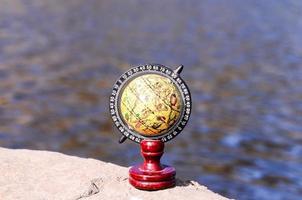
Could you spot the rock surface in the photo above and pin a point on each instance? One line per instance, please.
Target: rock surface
(27, 174)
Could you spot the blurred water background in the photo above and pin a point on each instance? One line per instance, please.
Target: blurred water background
(59, 60)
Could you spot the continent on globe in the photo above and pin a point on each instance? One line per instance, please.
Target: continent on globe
(150, 104)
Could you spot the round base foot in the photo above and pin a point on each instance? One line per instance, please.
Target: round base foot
(152, 180)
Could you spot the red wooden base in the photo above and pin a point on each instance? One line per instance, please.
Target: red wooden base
(151, 175)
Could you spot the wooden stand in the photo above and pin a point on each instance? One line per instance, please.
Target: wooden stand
(151, 175)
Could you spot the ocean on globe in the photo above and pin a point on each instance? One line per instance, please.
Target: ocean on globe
(150, 104)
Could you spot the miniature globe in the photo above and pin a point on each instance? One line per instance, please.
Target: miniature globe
(150, 104)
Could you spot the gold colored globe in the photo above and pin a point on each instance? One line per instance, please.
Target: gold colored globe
(150, 104)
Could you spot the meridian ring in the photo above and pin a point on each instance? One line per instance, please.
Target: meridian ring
(163, 129)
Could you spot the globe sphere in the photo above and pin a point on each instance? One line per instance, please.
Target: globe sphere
(150, 104)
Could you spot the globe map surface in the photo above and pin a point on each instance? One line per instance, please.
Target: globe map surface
(150, 104)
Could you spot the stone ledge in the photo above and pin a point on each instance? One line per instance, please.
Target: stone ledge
(35, 175)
